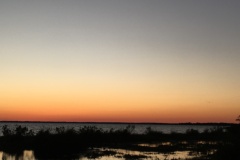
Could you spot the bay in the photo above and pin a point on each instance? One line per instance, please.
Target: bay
(140, 128)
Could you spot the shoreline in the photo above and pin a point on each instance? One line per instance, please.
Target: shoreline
(65, 143)
(128, 123)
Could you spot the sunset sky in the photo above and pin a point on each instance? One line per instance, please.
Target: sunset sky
(120, 60)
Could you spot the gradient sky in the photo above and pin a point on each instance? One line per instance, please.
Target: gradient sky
(120, 60)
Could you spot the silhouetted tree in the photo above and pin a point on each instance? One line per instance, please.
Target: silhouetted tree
(238, 119)
(21, 131)
(6, 131)
(130, 128)
(60, 130)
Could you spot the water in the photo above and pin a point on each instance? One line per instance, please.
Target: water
(139, 128)
(26, 155)
(111, 154)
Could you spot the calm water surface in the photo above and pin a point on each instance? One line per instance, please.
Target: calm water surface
(139, 128)
(118, 154)
(109, 153)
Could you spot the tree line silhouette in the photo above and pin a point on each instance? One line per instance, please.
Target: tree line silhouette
(63, 140)
(59, 142)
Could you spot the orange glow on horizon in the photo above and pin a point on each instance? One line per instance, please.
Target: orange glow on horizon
(119, 61)
(121, 105)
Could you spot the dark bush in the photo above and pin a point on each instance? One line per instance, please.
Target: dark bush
(6, 131)
(21, 131)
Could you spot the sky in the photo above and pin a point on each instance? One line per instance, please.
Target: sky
(120, 60)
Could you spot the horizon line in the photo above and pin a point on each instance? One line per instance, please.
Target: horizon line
(117, 122)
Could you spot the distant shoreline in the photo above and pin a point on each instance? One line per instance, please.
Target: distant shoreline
(133, 123)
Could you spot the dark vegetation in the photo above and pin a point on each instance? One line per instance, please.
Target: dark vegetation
(62, 142)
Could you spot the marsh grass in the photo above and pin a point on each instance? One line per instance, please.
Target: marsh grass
(62, 142)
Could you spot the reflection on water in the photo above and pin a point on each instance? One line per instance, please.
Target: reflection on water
(26, 155)
(207, 142)
(148, 145)
(5, 156)
(120, 154)
(109, 154)
(115, 154)
(155, 144)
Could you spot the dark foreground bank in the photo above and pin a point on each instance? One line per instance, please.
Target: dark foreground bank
(91, 142)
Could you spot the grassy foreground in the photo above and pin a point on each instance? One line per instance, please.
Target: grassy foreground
(216, 144)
